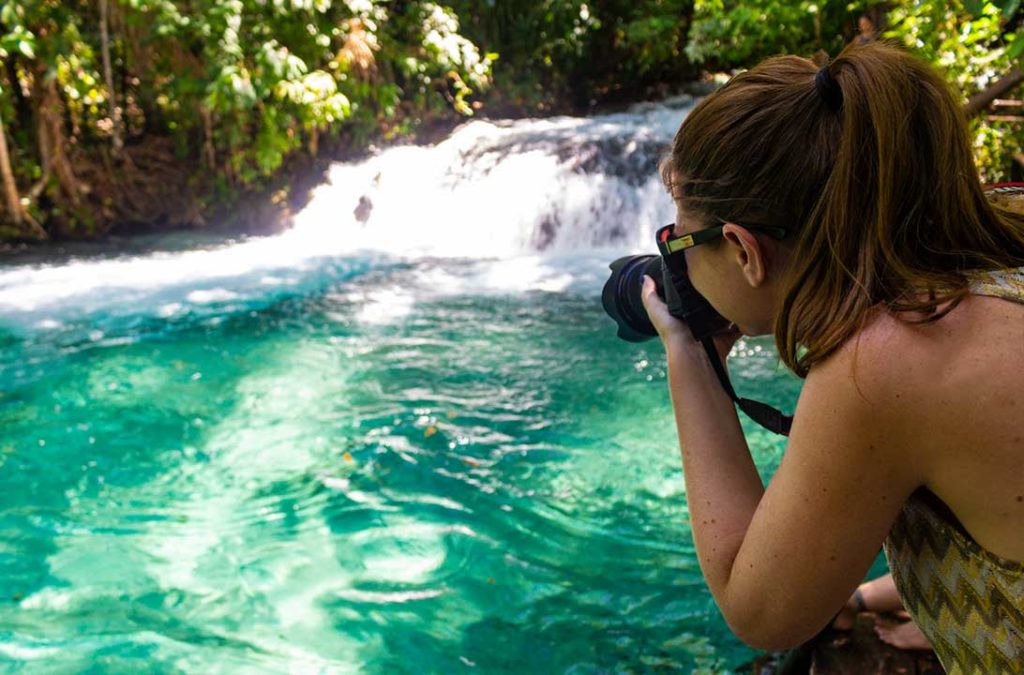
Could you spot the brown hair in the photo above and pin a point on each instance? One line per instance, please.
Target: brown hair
(881, 198)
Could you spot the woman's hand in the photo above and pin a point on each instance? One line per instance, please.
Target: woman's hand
(674, 333)
(847, 616)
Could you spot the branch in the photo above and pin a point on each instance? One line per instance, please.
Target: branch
(984, 99)
(33, 226)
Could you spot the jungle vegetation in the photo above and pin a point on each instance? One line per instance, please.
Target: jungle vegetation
(141, 114)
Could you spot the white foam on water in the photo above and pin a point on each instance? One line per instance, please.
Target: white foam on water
(491, 191)
(531, 206)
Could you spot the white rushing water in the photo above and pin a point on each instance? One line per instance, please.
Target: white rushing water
(516, 195)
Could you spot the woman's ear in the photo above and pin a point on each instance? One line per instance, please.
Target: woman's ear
(745, 248)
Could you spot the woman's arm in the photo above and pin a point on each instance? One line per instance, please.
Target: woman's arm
(780, 562)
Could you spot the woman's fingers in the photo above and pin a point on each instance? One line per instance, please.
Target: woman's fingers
(668, 326)
(649, 293)
(656, 308)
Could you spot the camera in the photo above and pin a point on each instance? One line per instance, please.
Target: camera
(622, 297)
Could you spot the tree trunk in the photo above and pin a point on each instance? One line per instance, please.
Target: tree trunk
(108, 77)
(52, 142)
(983, 99)
(18, 214)
(10, 189)
(208, 152)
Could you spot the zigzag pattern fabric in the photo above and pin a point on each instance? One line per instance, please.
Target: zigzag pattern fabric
(1006, 284)
(967, 601)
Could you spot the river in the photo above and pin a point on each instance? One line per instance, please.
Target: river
(398, 437)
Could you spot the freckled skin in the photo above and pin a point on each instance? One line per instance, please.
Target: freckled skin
(901, 406)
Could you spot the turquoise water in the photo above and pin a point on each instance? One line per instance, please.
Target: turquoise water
(389, 466)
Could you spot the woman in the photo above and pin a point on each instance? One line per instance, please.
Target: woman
(881, 595)
(889, 293)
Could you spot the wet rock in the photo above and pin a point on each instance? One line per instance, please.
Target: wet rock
(855, 652)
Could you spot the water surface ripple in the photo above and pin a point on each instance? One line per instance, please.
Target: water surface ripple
(358, 478)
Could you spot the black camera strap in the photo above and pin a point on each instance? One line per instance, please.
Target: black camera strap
(768, 417)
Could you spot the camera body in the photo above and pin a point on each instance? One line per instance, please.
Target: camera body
(622, 297)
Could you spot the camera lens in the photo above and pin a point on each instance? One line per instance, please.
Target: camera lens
(621, 296)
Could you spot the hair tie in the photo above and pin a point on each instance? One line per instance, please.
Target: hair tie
(828, 88)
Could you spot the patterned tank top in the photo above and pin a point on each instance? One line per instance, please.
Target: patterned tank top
(968, 601)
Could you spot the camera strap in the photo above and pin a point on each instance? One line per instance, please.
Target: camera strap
(768, 417)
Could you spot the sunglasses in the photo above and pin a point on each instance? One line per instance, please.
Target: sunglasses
(670, 244)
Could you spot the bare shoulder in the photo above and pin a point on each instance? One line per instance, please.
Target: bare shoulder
(882, 361)
(896, 379)
(944, 397)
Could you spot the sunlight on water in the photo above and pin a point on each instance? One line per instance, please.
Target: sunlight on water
(402, 439)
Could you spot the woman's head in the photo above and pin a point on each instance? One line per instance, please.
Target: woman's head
(878, 194)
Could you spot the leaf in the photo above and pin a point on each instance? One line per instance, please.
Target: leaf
(25, 47)
(9, 15)
(1010, 8)
(1017, 46)
(974, 7)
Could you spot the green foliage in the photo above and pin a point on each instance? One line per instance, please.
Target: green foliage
(239, 84)
(731, 34)
(975, 42)
(283, 72)
(579, 52)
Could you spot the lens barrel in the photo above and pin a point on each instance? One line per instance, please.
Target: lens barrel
(621, 296)
(623, 301)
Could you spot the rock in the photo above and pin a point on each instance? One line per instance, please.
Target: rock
(855, 652)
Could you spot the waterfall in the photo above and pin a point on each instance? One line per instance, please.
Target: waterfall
(506, 193)
(501, 189)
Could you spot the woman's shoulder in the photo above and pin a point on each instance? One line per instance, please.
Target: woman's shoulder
(883, 352)
(944, 378)
(903, 367)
